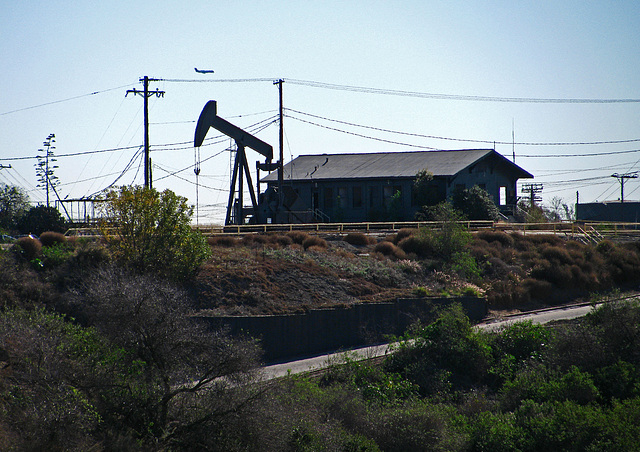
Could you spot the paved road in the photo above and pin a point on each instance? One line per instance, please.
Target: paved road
(319, 362)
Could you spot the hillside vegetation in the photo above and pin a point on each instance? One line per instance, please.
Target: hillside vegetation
(99, 349)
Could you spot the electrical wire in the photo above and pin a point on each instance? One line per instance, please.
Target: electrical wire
(416, 94)
(458, 97)
(361, 135)
(464, 139)
(63, 100)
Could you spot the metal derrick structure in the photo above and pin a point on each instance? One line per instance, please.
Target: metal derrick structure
(236, 212)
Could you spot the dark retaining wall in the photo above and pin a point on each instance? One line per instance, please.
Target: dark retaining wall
(325, 330)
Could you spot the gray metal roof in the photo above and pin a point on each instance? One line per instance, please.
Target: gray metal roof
(386, 164)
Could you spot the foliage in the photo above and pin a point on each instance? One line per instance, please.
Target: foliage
(358, 239)
(151, 231)
(14, 203)
(531, 214)
(394, 207)
(376, 386)
(475, 204)
(40, 219)
(425, 191)
(447, 354)
(178, 364)
(30, 247)
(51, 238)
(45, 401)
(389, 249)
(314, 241)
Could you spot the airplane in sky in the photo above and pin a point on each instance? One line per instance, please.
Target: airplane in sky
(203, 71)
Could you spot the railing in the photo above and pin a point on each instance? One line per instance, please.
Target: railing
(592, 231)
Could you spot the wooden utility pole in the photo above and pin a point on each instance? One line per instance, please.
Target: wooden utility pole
(281, 136)
(145, 95)
(621, 178)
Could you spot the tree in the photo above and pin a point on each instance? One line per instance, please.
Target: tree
(51, 362)
(14, 202)
(560, 210)
(45, 167)
(425, 191)
(151, 231)
(475, 203)
(40, 219)
(187, 378)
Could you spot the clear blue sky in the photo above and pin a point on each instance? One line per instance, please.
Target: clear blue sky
(64, 51)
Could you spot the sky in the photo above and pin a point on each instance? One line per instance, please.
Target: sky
(558, 79)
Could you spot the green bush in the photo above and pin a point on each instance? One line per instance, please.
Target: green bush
(151, 231)
(446, 354)
(40, 219)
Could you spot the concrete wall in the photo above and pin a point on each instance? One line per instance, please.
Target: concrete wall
(325, 330)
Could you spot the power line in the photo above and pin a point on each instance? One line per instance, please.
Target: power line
(360, 135)
(64, 100)
(391, 92)
(583, 143)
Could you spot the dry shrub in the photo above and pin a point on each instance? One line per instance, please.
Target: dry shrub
(298, 236)
(534, 289)
(358, 239)
(225, 241)
(557, 254)
(540, 239)
(403, 234)
(500, 237)
(30, 247)
(390, 250)
(252, 240)
(282, 240)
(415, 245)
(315, 242)
(51, 238)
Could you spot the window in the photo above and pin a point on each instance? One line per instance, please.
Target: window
(328, 198)
(390, 191)
(503, 196)
(356, 197)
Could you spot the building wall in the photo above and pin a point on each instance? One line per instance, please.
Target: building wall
(356, 200)
(628, 212)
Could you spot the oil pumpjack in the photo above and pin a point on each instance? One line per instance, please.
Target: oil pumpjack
(237, 213)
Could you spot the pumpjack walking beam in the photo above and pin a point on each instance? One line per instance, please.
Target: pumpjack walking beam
(209, 118)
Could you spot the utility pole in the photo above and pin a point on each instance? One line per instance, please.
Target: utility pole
(621, 178)
(281, 136)
(145, 95)
(533, 190)
(5, 167)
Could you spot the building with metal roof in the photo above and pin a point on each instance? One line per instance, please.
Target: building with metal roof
(379, 186)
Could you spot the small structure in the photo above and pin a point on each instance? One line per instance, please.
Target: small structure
(375, 186)
(626, 212)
